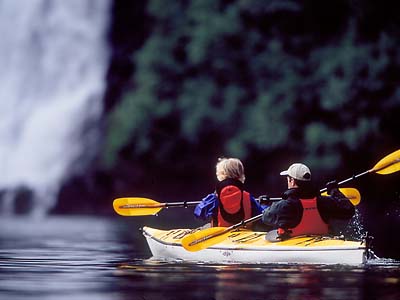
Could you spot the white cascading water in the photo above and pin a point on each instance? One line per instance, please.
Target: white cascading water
(53, 61)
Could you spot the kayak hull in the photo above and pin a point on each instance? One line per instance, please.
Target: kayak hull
(245, 246)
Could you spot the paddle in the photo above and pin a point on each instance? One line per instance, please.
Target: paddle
(136, 206)
(351, 193)
(203, 239)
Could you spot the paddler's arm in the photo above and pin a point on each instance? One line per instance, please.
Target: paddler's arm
(336, 205)
(282, 214)
(256, 207)
(205, 209)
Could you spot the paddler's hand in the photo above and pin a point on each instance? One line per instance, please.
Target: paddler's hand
(330, 186)
(264, 201)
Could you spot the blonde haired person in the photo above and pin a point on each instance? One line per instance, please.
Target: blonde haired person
(230, 168)
(230, 203)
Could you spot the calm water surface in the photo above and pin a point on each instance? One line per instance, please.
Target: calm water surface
(107, 258)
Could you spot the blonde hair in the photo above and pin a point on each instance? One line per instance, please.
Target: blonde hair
(230, 168)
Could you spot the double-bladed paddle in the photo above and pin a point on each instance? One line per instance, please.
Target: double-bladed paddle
(137, 206)
(387, 165)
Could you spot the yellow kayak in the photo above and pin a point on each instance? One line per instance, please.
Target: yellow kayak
(246, 246)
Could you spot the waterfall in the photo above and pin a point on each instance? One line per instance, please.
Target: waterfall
(53, 61)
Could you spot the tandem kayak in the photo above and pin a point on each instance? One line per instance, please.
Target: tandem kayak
(246, 246)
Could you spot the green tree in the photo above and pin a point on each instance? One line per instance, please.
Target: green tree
(243, 77)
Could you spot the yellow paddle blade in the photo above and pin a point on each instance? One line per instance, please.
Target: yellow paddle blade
(389, 164)
(351, 193)
(134, 206)
(203, 239)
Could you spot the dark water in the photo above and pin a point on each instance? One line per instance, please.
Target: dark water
(99, 258)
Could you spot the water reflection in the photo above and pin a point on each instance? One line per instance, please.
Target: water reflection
(99, 258)
(230, 282)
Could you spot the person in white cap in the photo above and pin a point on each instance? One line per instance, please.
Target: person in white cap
(298, 171)
(303, 210)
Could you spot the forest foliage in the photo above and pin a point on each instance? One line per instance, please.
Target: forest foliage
(270, 82)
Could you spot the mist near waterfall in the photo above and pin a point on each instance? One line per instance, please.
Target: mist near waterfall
(54, 57)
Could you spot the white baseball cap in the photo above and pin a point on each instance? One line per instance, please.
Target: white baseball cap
(298, 171)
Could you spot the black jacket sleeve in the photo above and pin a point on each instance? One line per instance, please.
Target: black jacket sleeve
(283, 214)
(335, 206)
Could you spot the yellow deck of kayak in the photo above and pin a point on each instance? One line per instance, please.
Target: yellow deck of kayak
(249, 239)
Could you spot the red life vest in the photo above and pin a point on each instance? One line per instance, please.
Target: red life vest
(311, 222)
(234, 206)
